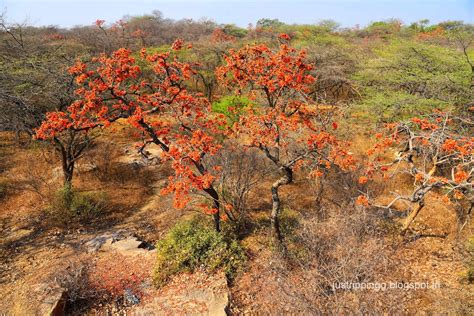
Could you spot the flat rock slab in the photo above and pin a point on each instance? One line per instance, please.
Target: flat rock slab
(117, 241)
(188, 294)
(51, 298)
(127, 247)
(17, 235)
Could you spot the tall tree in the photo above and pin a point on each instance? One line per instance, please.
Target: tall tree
(282, 123)
(151, 94)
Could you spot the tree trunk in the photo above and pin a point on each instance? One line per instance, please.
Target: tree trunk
(68, 169)
(208, 88)
(67, 161)
(412, 216)
(216, 204)
(321, 213)
(68, 173)
(276, 203)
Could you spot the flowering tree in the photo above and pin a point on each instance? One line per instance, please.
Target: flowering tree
(437, 151)
(151, 94)
(70, 141)
(282, 123)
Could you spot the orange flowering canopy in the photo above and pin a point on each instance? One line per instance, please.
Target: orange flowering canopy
(282, 122)
(435, 150)
(220, 36)
(151, 94)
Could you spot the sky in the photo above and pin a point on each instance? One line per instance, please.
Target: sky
(67, 13)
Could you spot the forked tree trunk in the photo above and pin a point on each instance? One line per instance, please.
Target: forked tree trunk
(287, 178)
(68, 163)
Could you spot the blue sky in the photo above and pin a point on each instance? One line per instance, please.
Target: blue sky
(347, 12)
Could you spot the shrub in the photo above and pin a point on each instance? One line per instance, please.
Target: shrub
(191, 245)
(242, 170)
(69, 206)
(76, 282)
(111, 280)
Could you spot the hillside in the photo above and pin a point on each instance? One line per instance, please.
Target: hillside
(156, 167)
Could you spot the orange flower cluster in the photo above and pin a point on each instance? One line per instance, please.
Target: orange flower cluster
(220, 36)
(278, 81)
(362, 200)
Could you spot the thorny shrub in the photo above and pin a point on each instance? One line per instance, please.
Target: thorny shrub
(347, 247)
(110, 279)
(70, 207)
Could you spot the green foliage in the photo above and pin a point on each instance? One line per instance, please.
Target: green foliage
(407, 78)
(231, 106)
(269, 23)
(311, 37)
(70, 207)
(384, 28)
(233, 30)
(193, 244)
(387, 106)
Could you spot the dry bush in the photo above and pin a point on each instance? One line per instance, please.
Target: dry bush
(336, 189)
(242, 170)
(111, 167)
(75, 281)
(112, 279)
(102, 158)
(346, 247)
(69, 207)
(35, 171)
(114, 276)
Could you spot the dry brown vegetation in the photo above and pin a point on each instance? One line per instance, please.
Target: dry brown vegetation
(327, 238)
